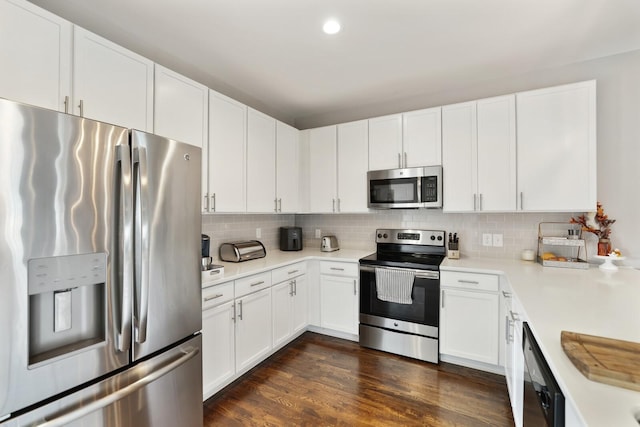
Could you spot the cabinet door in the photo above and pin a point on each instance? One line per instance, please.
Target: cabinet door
(181, 108)
(287, 168)
(459, 157)
(339, 303)
(35, 53)
(557, 148)
(218, 347)
(261, 162)
(352, 166)
(422, 137)
(227, 141)
(300, 303)
(469, 325)
(253, 328)
(497, 154)
(111, 83)
(385, 142)
(322, 169)
(282, 302)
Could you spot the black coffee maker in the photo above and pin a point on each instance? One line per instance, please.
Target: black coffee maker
(290, 238)
(207, 260)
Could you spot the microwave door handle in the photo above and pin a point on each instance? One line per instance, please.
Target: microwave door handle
(122, 270)
(142, 249)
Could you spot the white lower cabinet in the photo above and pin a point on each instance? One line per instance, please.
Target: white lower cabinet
(339, 296)
(514, 356)
(218, 347)
(469, 316)
(253, 328)
(290, 306)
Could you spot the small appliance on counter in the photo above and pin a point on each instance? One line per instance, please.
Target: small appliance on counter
(207, 260)
(329, 244)
(290, 238)
(242, 251)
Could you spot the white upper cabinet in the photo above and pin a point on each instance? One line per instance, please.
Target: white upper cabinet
(35, 53)
(322, 169)
(261, 162)
(385, 142)
(110, 83)
(406, 140)
(352, 167)
(422, 137)
(478, 155)
(227, 147)
(181, 108)
(287, 168)
(557, 148)
(459, 165)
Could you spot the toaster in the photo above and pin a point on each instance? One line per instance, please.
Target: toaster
(329, 244)
(242, 251)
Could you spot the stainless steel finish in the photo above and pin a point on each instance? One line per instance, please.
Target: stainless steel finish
(514, 316)
(420, 274)
(44, 169)
(212, 297)
(338, 204)
(240, 309)
(333, 208)
(416, 172)
(480, 202)
(336, 269)
(405, 159)
(292, 272)
(415, 346)
(257, 283)
(242, 251)
(295, 286)
(213, 202)
(329, 244)
(442, 299)
(506, 294)
(81, 106)
(471, 282)
(399, 325)
(521, 201)
(66, 104)
(85, 232)
(206, 202)
(395, 235)
(355, 290)
(508, 334)
(170, 187)
(275, 202)
(162, 391)
(399, 160)
(475, 204)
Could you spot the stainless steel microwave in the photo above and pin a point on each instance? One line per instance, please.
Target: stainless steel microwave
(408, 188)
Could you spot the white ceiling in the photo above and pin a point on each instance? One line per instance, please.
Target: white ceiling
(273, 55)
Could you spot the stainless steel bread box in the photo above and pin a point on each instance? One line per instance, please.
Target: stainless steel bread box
(242, 251)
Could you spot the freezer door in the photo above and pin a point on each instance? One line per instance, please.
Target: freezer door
(166, 182)
(165, 390)
(63, 204)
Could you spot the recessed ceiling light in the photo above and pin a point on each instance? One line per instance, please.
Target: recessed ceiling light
(331, 26)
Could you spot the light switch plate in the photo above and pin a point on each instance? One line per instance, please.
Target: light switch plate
(497, 240)
(487, 239)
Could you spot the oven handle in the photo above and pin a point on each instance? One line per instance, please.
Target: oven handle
(419, 274)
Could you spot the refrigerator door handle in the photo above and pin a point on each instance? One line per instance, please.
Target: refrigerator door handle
(123, 249)
(121, 393)
(142, 252)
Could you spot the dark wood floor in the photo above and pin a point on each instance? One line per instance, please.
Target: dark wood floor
(323, 381)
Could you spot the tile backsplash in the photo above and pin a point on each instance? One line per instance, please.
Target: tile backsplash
(357, 231)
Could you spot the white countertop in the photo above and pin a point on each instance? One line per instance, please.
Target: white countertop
(276, 258)
(586, 301)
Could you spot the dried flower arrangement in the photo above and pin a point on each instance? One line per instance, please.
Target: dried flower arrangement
(600, 226)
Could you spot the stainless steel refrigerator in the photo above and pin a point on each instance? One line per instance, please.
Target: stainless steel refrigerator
(99, 274)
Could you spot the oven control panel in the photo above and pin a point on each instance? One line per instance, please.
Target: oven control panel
(410, 237)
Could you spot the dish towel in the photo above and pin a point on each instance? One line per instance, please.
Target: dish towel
(394, 285)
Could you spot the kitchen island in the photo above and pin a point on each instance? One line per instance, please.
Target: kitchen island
(586, 301)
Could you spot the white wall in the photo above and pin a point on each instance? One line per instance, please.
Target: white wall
(618, 125)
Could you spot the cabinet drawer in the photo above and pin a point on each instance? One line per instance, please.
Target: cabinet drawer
(288, 272)
(253, 283)
(339, 268)
(211, 276)
(216, 295)
(476, 281)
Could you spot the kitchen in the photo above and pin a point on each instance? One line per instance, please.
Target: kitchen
(617, 106)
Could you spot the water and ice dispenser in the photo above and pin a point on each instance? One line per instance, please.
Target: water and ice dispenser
(67, 305)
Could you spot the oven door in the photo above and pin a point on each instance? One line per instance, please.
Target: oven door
(422, 314)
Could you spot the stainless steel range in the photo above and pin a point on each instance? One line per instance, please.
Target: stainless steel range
(400, 293)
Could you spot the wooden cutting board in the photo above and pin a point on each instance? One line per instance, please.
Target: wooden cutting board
(605, 360)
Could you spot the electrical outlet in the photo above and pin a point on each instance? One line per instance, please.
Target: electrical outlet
(258, 233)
(497, 240)
(487, 239)
(318, 233)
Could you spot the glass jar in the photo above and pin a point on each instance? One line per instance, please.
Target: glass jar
(604, 247)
